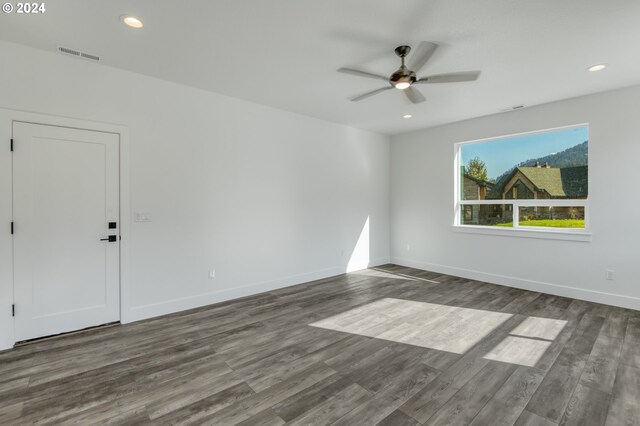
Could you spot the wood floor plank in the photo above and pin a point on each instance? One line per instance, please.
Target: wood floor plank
(508, 403)
(554, 393)
(334, 407)
(631, 348)
(462, 407)
(440, 360)
(390, 398)
(527, 418)
(588, 407)
(625, 407)
(263, 418)
(553, 351)
(616, 323)
(601, 368)
(520, 302)
(136, 416)
(426, 402)
(398, 418)
(10, 413)
(180, 376)
(304, 401)
(356, 353)
(269, 397)
(202, 406)
(380, 376)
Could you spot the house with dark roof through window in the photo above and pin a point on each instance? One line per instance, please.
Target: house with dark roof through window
(542, 182)
(539, 182)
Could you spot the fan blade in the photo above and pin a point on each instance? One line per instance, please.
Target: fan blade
(451, 77)
(414, 95)
(363, 74)
(373, 92)
(421, 55)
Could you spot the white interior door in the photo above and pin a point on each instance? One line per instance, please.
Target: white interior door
(65, 194)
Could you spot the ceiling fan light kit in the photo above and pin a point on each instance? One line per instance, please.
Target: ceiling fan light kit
(405, 77)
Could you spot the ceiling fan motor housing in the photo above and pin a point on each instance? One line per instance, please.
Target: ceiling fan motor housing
(402, 75)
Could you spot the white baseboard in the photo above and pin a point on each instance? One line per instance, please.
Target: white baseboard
(138, 313)
(175, 305)
(539, 286)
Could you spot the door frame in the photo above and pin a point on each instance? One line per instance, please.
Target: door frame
(7, 117)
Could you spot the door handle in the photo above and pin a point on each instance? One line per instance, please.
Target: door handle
(110, 238)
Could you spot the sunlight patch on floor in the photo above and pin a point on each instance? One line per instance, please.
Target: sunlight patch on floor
(372, 272)
(401, 276)
(539, 328)
(519, 350)
(428, 325)
(528, 342)
(447, 328)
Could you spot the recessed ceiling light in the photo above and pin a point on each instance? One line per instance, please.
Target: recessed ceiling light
(407, 116)
(597, 68)
(132, 21)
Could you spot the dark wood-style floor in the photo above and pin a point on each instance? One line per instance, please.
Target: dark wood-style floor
(258, 361)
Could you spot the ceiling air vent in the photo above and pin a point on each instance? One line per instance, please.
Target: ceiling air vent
(78, 54)
(90, 56)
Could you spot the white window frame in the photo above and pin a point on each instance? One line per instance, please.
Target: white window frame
(575, 234)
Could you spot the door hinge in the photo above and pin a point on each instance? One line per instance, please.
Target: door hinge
(11, 228)
(13, 310)
(12, 145)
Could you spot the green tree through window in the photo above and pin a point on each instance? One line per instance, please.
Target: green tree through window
(476, 168)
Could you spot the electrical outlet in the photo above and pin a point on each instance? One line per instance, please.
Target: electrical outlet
(341, 253)
(609, 274)
(408, 247)
(212, 274)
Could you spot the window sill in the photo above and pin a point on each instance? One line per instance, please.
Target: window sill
(547, 234)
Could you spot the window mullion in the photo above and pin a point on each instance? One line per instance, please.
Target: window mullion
(516, 214)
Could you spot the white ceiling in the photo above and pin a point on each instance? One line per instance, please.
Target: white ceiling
(284, 53)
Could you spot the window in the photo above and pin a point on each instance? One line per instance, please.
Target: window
(529, 182)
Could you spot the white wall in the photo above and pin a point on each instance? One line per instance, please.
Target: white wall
(268, 198)
(422, 204)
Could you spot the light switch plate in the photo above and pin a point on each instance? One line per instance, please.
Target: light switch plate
(142, 217)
